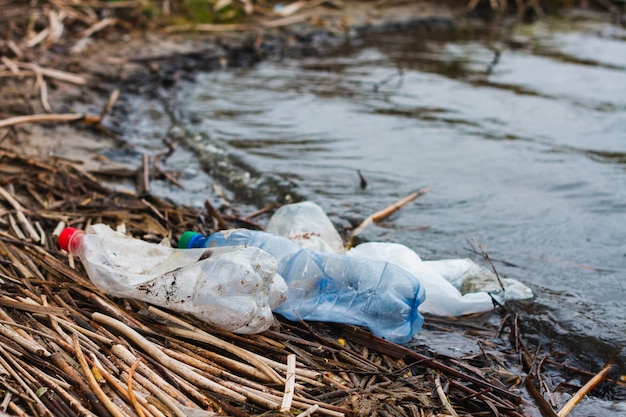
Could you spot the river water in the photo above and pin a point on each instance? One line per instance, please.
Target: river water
(521, 137)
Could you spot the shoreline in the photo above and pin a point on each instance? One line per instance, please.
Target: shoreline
(142, 70)
(77, 76)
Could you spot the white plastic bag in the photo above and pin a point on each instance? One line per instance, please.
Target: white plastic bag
(442, 298)
(470, 277)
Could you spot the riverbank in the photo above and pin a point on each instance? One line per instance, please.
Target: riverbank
(492, 365)
(66, 65)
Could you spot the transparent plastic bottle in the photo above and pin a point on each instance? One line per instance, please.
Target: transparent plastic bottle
(306, 224)
(334, 288)
(234, 288)
(454, 287)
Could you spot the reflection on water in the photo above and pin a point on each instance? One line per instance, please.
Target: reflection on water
(520, 135)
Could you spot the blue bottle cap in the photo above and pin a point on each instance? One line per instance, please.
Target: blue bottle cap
(186, 239)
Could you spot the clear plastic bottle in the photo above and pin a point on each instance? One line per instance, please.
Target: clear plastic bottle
(454, 287)
(234, 288)
(334, 288)
(306, 224)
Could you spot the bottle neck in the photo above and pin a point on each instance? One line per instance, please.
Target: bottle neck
(197, 241)
(71, 239)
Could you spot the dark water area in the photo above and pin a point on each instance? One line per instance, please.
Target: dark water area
(519, 133)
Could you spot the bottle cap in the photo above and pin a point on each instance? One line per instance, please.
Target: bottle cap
(186, 239)
(67, 236)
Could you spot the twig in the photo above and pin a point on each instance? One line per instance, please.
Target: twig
(115, 94)
(310, 411)
(173, 365)
(56, 74)
(599, 377)
(33, 308)
(386, 212)
(252, 358)
(131, 392)
(29, 345)
(93, 384)
(144, 184)
(290, 381)
(9, 369)
(493, 268)
(43, 118)
(98, 26)
(149, 379)
(221, 223)
(443, 398)
(260, 212)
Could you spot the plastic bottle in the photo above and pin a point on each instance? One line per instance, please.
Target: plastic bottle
(453, 287)
(306, 224)
(234, 288)
(442, 298)
(334, 288)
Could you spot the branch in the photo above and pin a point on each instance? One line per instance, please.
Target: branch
(386, 212)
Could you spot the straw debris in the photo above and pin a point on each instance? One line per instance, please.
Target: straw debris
(66, 348)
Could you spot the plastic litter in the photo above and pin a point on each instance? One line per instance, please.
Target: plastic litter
(442, 298)
(453, 287)
(469, 277)
(332, 287)
(234, 288)
(307, 224)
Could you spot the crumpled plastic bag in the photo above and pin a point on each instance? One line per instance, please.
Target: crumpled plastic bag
(442, 298)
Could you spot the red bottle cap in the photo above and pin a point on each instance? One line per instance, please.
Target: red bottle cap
(67, 239)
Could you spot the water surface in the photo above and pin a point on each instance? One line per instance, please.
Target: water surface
(521, 137)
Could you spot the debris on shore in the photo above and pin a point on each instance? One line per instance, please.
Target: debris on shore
(66, 348)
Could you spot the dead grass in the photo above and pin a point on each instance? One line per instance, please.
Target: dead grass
(67, 348)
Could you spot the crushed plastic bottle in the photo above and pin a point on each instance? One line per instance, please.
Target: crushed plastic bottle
(307, 224)
(334, 288)
(453, 287)
(234, 288)
(442, 298)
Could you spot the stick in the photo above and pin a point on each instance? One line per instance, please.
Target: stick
(250, 357)
(29, 345)
(443, 398)
(386, 212)
(33, 308)
(36, 118)
(93, 384)
(57, 74)
(543, 405)
(173, 365)
(310, 411)
(290, 381)
(493, 268)
(115, 94)
(131, 392)
(599, 377)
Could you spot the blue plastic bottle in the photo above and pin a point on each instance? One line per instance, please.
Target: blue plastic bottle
(334, 288)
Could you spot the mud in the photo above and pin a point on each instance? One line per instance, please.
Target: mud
(151, 63)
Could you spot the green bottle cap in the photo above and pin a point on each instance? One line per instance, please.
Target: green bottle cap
(183, 241)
